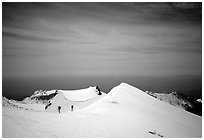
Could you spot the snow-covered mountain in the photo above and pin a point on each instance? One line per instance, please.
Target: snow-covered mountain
(40, 96)
(45, 97)
(179, 100)
(10, 103)
(176, 99)
(124, 112)
(34, 106)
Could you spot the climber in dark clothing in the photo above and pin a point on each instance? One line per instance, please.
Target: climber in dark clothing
(72, 107)
(99, 91)
(59, 108)
(47, 105)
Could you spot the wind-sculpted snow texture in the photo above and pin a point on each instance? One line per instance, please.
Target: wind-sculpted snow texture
(124, 112)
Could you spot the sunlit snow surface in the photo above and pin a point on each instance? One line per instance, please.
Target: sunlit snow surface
(124, 112)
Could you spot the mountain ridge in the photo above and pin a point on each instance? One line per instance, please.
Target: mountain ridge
(173, 98)
(125, 111)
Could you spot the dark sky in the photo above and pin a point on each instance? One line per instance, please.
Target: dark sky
(100, 39)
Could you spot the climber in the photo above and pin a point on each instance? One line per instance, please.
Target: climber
(59, 108)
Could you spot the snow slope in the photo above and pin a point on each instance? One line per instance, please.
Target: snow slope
(78, 102)
(79, 98)
(124, 112)
(80, 95)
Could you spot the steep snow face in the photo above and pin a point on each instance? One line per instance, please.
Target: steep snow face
(78, 98)
(127, 95)
(59, 100)
(147, 112)
(125, 111)
(43, 96)
(65, 103)
(80, 95)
